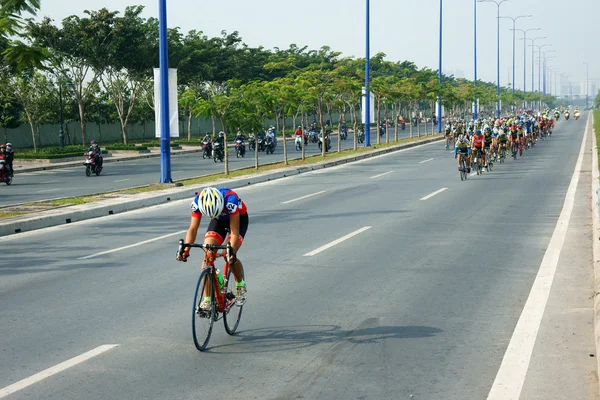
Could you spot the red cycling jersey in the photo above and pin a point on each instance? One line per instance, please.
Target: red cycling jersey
(478, 140)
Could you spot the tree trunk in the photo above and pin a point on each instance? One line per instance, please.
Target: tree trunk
(256, 152)
(303, 145)
(387, 123)
(190, 125)
(410, 120)
(213, 125)
(82, 120)
(432, 123)
(30, 121)
(329, 113)
(99, 133)
(5, 135)
(397, 121)
(285, 155)
(378, 121)
(323, 130)
(39, 135)
(124, 132)
(418, 125)
(225, 147)
(340, 131)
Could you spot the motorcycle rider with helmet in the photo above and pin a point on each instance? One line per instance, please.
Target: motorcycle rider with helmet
(9, 157)
(240, 136)
(97, 152)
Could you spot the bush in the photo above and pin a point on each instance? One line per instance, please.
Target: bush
(46, 156)
(156, 144)
(120, 146)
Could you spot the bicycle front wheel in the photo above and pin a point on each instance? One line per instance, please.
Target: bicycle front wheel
(233, 312)
(203, 319)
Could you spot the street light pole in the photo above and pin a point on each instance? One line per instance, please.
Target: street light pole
(587, 84)
(165, 136)
(514, 29)
(475, 57)
(498, 3)
(439, 107)
(524, 39)
(367, 79)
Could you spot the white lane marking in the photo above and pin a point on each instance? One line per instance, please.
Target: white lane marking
(513, 370)
(424, 161)
(22, 384)
(385, 173)
(48, 190)
(131, 245)
(337, 241)
(122, 180)
(304, 197)
(433, 194)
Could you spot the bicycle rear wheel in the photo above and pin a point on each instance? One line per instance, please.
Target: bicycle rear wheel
(233, 313)
(202, 321)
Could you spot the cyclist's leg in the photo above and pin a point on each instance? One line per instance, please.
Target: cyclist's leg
(215, 232)
(237, 267)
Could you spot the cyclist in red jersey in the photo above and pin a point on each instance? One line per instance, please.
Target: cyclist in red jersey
(477, 145)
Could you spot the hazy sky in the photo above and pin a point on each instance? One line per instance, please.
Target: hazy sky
(403, 29)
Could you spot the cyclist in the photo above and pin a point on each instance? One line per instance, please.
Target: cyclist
(489, 143)
(228, 214)
(463, 149)
(477, 147)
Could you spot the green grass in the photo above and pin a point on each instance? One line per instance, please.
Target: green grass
(10, 214)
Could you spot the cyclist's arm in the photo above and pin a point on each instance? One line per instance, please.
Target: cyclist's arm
(234, 234)
(192, 233)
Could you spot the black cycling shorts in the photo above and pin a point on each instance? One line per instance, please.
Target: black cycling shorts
(219, 229)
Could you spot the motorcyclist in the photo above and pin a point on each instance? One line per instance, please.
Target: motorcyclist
(300, 132)
(10, 156)
(240, 136)
(97, 152)
(4, 153)
(208, 140)
(271, 134)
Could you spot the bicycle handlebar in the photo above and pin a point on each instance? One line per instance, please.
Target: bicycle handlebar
(183, 246)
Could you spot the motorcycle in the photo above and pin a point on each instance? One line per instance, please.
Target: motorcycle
(5, 176)
(403, 124)
(327, 141)
(298, 143)
(90, 164)
(218, 154)
(252, 142)
(313, 136)
(344, 133)
(240, 149)
(269, 145)
(361, 137)
(567, 115)
(576, 115)
(261, 143)
(206, 150)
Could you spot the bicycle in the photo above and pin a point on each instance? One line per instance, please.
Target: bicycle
(463, 168)
(223, 303)
(477, 161)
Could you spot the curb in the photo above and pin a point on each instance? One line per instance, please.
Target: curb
(140, 200)
(596, 242)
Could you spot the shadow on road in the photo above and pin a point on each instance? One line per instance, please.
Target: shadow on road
(287, 338)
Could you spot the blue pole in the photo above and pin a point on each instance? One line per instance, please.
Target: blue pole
(439, 107)
(525, 62)
(367, 79)
(498, 80)
(475, 55)
(165, 138)
(514, 45)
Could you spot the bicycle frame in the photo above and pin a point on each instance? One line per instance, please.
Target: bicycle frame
(210, 255)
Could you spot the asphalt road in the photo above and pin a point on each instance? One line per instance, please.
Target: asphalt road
(56, 183)
(423, 303)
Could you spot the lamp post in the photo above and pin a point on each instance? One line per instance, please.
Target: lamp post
(439, 105)
(475, 57)
(514, 29)
(533, 59)
(165, 135)
(524, 39)
(546, 69)
(587, 84)
(367, 79)
(498, 3)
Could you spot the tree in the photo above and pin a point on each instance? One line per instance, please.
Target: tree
(31, 92)
(10, 112)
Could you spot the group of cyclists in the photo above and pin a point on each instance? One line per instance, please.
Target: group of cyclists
(485, 141)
